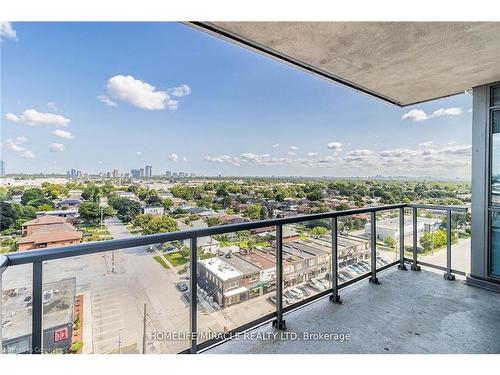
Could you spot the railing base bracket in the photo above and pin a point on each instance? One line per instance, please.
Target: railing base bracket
(402, 267)
(279, 325)
(415, 268)
(374, 280)
(335, 299)
(449, 276)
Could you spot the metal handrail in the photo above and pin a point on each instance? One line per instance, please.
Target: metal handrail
(38, 257)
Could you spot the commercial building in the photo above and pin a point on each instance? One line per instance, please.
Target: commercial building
(48, 231)
(149, 171)
(389, 228)
(58, 305)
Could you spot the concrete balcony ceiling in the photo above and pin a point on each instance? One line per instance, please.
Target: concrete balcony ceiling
(403, 63)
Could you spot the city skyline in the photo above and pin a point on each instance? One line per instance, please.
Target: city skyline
(202, 104)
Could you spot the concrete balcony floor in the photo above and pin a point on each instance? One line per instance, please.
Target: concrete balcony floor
(410, 312)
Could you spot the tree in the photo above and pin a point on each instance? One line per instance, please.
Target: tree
(314, 195)
(90, 212)
(32, 195)
(8, 215)
(91, 193)
(390, 242)
(212, 221)
(319, 231)
(253, 211)
(126, 209)
(168, 203)
(151, 224)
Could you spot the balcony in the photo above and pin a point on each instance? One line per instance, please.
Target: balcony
(410, 312)
(127, 296)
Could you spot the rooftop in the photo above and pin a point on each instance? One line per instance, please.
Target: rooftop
(46, 220)
(410, 312)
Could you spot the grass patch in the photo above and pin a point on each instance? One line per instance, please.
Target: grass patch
(160, 260)
(177, 259)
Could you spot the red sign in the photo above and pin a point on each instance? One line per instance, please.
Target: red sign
(61, 334)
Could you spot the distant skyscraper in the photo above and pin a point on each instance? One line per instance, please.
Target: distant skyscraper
(149, 171)
(141, 172)
(115, 173)
(2, 169)
(168, 174)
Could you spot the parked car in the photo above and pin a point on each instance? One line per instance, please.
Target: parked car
(342, 278)
(346, 274)
(296, 293)
(324, 282)
(318, 284)
(314, 287)
(354, 270)
(182, 286)
(289, 295)
(272, 299)
(304, 290)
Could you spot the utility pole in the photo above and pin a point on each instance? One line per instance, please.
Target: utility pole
(113, 261)
(144, 331)
(102, 214)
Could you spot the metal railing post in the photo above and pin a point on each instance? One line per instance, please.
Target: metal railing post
(279, 323)
(37, 311)
(373, 236)
(335, 272)
(402, 265)
(193, 294)
(415, 266)
(3, 267)
(448, 275)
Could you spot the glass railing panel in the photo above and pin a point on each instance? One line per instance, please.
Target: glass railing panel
(236, 280)
(431, 234)
(388, 234)
(307, 260)
(354, 247)
(461, 241)
(16, 309)
(408, 233)
(127, 301)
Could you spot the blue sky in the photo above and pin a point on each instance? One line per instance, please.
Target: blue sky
(80, 95)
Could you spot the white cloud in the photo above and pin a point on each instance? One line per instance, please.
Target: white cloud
(179, 91)
(63, 134)
(398, 153)
(276, 145)
(290, 153)
(106, 100)
(28, 154)
(13, 145)
(138, 153)
(336, 146)
(294, 148)
(7, 31)
(52, 106)
(138, 93)
(173, 157)
(312, 154)
(426, 144)
(453, 111)
(184, 159)
(415, 115)
(223, 159)
(419, 115)
(34, 118)
(56, 147)
(362, 152)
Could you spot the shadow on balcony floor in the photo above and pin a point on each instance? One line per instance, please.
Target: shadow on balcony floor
(410, 312)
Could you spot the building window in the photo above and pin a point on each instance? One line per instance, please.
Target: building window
(495, 244)
(494, 228)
